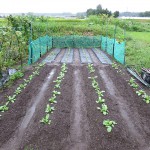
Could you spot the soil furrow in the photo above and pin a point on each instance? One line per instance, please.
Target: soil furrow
(15, 141)
(56, 135)
(79, 123)
(11, 119)
(76, 57)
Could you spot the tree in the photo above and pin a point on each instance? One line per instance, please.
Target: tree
(116, 14)
(90, 12)
(99, 9)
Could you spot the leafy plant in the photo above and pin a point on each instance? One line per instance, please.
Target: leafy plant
(49, 109)
(114, 65)
(133, 83)
(16, 75)
(53, 100)
(91, 68)
(146, 98)
(100, 100)
(56, 92)
(109, 124)
(12, 98)
(30, 77)
(100, 93)
(22, 86)
(140, 92)
(18, 91)
(45, 119)
(4, 107)
(103, 109)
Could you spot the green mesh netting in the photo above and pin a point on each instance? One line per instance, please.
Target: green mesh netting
(39, 47)
(119, 52)
(76, 41)
(107, 45)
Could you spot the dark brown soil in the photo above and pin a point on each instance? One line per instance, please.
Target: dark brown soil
(76, 122)
(7, 91)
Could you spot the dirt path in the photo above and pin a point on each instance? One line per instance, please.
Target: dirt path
(79, 133)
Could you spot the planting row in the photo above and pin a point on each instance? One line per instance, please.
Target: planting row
(53, 100)
(109, 124)
(12, 98)
(134, 85)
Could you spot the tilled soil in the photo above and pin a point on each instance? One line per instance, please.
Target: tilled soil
(76, 122)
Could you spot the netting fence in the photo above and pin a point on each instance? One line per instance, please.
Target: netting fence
(40, 46)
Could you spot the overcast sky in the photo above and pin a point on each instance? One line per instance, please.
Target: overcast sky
(54, 6)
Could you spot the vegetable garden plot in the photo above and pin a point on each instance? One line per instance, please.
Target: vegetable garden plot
(68, 56)
(51, 57)
(84, 103)
(102, 56)
(84, 56)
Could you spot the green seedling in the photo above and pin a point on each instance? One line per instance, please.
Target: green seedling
(22, 86)
(4, 107)
(103, 109)
(146, 98)
(100, 100)
(95, 84)
(41, 65)
(133, 83)
(109, 124)
(114, 65)
(12, 98)
(26, 81)
(57, 86)
(35, 73)
(49, 109)
(18, 91)
(46, 119)
(58, 81)
(30, 77)
(140, 93)
(53, 100)
(56, 92)
(100, 93)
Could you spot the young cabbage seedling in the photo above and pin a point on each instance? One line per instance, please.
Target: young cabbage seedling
(49, 109)
(30, 77)
(45, 119)
(100, 100)
(140, 93)
(56, 92)
(103, 109)
(53, 100)
(12, 98)
(109, 124)
(22, 86)
(4, 107)
(26, 81)
(18, 91)
(146, 98)
(100, 93)
(57, 86)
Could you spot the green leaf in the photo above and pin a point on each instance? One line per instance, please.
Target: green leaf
(109, 129)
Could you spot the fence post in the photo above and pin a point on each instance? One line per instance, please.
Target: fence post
(114, 39)
(106, 34)
(124, 46)
(31, 52)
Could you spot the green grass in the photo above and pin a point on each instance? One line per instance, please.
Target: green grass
(137, 43)
(138, 49)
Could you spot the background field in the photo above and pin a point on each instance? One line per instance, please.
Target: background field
(135, 32)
